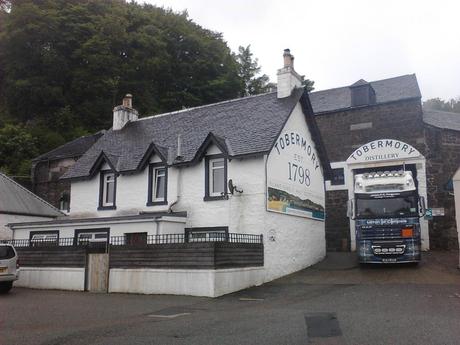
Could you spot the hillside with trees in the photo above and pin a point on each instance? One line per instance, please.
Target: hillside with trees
(65, 64)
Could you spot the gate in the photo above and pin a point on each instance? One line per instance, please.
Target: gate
(97, 273)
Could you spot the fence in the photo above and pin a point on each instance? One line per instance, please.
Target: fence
(207, 237)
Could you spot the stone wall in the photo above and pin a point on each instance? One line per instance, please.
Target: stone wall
(443, 160)
(337, 225)
(344, 131)
(45, 180)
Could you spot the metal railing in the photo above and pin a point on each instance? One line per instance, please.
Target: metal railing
(192, 237)
(65, 241)
(201, 237)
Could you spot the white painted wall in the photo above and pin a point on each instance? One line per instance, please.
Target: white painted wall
(61, 278)
(208, 283)
(5, 232)
(166, 225)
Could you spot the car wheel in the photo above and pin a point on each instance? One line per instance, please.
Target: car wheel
(5, 287)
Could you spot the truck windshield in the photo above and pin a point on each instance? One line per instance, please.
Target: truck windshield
(386, 208)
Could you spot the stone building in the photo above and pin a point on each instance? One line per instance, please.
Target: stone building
(351, 117)
(49, 167)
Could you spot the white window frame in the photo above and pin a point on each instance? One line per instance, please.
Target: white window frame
(211, 176)
(155, 177)
(105, 182)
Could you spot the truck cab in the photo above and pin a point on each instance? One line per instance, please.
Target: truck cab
(387, 208)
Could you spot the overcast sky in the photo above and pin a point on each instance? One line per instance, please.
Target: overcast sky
(336, 43)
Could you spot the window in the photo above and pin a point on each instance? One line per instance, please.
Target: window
(216, 178)
(107, 190)
(64, 202)
(91, 236)
(207, 234)
(44, 237)
(338, 177)
(158, 185)
(6, 252)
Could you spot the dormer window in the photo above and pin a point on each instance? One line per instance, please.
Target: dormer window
(215, 177)
(362, 93)
(107, 190)
(158, 184)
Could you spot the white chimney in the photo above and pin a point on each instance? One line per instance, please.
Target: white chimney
(122, 114)
(288, 79)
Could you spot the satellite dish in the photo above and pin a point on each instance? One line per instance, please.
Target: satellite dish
(231, 187)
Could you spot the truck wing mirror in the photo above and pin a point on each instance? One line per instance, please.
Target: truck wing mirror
(422, 207)
(350, 209)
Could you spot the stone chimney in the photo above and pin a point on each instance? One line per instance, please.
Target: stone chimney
(122, 114)
(288, 79)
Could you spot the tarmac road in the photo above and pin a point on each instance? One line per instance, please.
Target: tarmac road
(335, 302)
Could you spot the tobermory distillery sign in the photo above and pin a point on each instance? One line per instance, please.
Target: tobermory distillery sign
(383, 150)
(294, 176)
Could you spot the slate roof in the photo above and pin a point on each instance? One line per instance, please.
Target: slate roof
(386, 90)
(441, 119)
(15, 199)
(74, 148)
(243, 126)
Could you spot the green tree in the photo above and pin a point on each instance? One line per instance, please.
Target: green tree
(17, 148)
(249, 72)
(453, 105)
(83, 56)
(308, 84)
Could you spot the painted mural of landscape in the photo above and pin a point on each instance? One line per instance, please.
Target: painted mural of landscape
(281, 201)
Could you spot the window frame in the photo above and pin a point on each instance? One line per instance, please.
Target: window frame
(208, 179)
(102, 190)
(77, 233)
(43, 232)
(206, 231)
(151, 201)
(65, 198)
(333, 182)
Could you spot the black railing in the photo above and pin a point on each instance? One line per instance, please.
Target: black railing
(192, 237)
(65, 241)
(188, 238)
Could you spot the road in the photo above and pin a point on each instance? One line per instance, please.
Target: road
(335, 302)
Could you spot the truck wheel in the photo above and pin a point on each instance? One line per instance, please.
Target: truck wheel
(5, 287)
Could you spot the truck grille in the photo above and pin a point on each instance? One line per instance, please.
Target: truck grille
(381, 233)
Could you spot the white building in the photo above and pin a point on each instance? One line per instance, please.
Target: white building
(252, 165)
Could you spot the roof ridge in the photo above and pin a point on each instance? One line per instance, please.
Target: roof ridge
(370, 82)
(204, 106)
(440, 111)
(29, 192)
(101, 132)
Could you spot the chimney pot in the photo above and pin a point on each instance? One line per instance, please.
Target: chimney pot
(128, 101)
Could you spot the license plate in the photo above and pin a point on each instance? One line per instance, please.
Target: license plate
(2, 269)
(389, 260)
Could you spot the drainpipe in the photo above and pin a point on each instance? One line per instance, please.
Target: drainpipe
(179, 190)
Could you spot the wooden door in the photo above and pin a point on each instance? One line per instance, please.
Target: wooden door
(97, 277)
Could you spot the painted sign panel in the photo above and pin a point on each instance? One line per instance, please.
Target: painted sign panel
(383, 150)
(295, 184)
